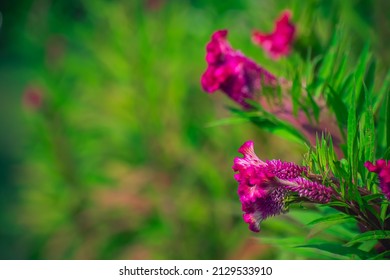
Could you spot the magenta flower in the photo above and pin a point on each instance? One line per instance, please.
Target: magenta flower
(267, 206)
(277, 43)
(313, 190)
(264, 187)
(230, 71)
(382, 168)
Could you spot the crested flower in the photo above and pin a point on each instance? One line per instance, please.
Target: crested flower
(230, 71)
(277, 43)
(267, 206)
(265, 187)
(382, 168)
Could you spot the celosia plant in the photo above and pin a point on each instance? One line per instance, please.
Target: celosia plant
(334, 110)
(230, 71)
(266, 187)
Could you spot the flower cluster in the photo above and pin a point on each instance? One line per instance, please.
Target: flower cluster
(265, 187)
(230, 71)
(241, 78)
(278, 43)
(268, 188)
(238, 76)
(382, 168)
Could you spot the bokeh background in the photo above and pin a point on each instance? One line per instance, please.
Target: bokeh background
(107, 148)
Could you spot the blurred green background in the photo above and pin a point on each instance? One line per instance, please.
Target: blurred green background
(119, 161)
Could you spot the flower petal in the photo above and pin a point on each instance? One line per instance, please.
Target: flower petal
(230, 71)
(277, 43)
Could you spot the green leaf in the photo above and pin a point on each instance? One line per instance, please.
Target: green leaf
(370, 197)
(315, 85)
(329, 218)
(332, 227)
(370, 235)
(384, 208)
(383, 130)
(336, 203)
(283, 242)
(338, 250)
(382, 93)
(367, 129)
(327, 65)
(387, 121)
(352, 126)
(347, 88)
(227, 121)
(314, 106)
(369, 135)
(370, 77)
(351, 137)
(361, 69)
(296, 92)
(339, 108)
(269, 122)
(341, 72)
(383, 255)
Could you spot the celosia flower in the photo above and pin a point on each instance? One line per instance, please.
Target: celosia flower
(285, 170)
(230, 71)
(277, 43)
(256, 177)
(382, 168)
(267, 206)
(264, 187)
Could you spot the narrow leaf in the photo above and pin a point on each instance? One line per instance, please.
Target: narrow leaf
(334, 217)
(370, 235)
(338, 250)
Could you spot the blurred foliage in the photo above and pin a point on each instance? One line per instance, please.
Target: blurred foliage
(119, 161)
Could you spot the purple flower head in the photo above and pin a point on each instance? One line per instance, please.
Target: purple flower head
(254, 184)
(277, 43)
(313, 191)
(230, 71)
(264, 187)
(286, 170)
(253, 176)
(218, 48)
(264, 207)
(382, 168)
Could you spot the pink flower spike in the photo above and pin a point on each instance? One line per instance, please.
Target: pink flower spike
(278, 43)
(230, 71)
(382, 168)
(286, 170)
(267, 206)
(313, 191)
(264, 187)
